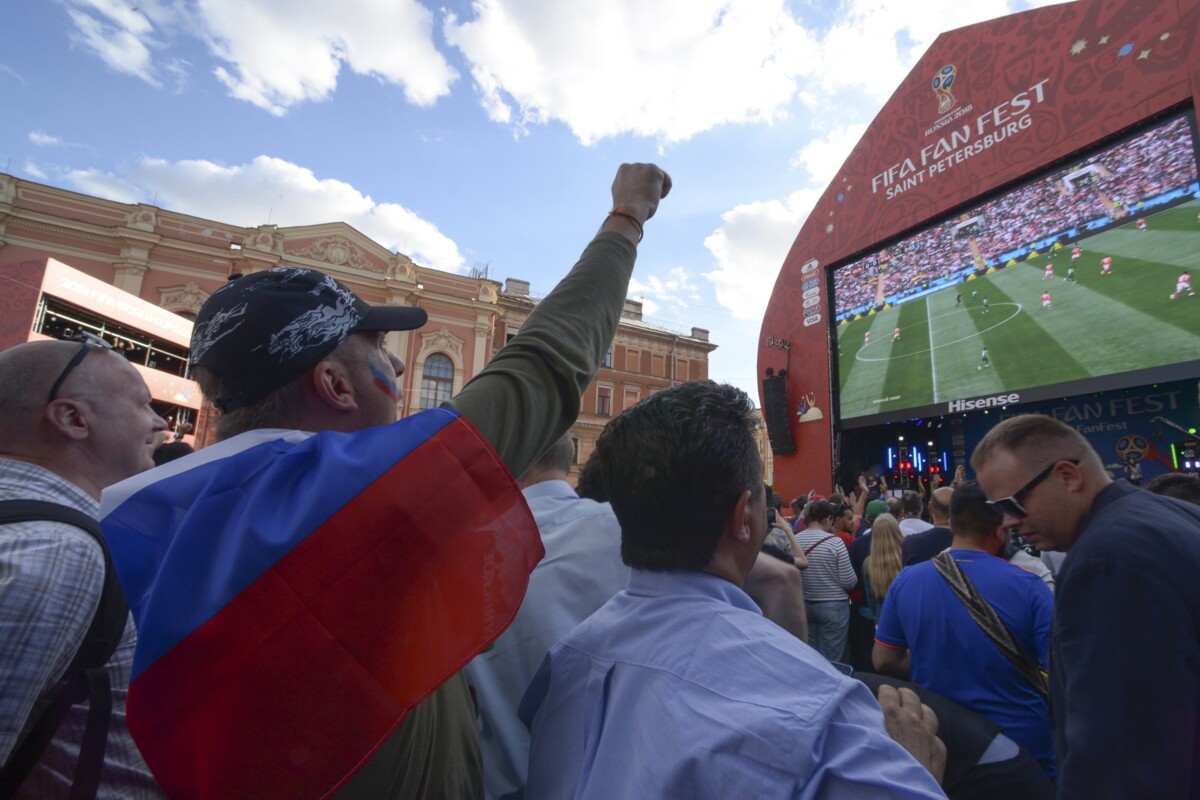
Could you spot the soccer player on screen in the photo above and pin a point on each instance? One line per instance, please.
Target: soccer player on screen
(1049, 271)
(1106, 265)
(866, 338)
(1141, 224)
(1070, 274)
(1046, 300)
(896, 334)
(985, 305)
(958, 300)
(984, 361)
(1184, 284)
(1075, 254)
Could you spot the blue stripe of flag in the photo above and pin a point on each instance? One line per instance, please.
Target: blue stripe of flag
(184, 546)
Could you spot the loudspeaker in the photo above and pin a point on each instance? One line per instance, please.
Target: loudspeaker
(778, 415)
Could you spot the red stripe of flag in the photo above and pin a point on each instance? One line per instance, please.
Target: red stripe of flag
(290, 687)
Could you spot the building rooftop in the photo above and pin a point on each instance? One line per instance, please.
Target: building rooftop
(516, 292)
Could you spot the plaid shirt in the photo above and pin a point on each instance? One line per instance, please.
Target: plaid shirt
(51, 575)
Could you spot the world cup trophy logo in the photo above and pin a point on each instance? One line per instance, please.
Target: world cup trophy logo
(941, 88)
(1132, 446)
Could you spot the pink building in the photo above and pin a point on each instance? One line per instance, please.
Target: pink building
(174, 262)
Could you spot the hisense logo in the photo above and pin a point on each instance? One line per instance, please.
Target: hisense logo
(984, 402)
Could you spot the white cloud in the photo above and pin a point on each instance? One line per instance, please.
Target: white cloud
(33, 170)
(132, 36)
(276, 60)
(822, 158)
(675, 68)
(7, 70)
(45, 139)
(102, 184)
(116, 32)
(667, 69)
(674, 289)
(271, 54)
(750, 246)
(271, 189)
(875, 43)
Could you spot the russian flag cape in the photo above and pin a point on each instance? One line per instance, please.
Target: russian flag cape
(297, 594)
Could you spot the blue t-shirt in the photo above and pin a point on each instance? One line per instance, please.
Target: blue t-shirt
(952, 655)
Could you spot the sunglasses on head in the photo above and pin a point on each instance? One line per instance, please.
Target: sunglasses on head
(1011, 505)
(90, 342)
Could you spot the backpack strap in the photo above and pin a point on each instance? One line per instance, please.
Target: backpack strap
(819, 543)
(987, 619)
(85, 677)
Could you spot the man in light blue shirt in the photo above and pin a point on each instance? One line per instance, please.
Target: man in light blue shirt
(678, 687)
(581, 570)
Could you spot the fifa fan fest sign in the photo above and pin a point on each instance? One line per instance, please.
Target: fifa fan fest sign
(1004, 121)
(1001, 161)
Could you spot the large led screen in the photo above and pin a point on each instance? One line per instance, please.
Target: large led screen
(1070, 283)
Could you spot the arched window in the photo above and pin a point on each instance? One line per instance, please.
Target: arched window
(437, 381)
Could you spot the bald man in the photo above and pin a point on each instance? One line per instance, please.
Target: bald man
(75, 417)
(926, 544)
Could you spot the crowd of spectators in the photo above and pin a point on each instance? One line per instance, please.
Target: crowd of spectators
(1111, 184)
(667, 635)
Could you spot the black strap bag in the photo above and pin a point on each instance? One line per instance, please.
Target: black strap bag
(85, 678)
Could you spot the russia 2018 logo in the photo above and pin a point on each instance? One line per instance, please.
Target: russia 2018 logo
(1132, 446)
(941, 87)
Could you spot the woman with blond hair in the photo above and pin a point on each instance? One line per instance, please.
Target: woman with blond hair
(884, 563)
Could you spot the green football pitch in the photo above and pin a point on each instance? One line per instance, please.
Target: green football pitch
(1098, 325)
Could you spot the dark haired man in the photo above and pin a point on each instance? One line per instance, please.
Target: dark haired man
(678, 687)
(912, 505)
(1124, 653)
(336, 582)
(1179, 485)
(843, 523)
(926, 633)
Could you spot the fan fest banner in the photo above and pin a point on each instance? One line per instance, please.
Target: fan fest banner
(296, 595)
(985, 106)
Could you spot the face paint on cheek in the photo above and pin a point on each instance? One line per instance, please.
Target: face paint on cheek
(384, 382)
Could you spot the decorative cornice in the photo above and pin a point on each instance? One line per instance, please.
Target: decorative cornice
(88, 233)
(188, 297)
(441, 339)
(489, 292)
(142, 218)
(401, 267)
(264, 239)
(339, 251)
(125, 268)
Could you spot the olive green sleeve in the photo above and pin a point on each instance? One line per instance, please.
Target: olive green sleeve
(530, 393)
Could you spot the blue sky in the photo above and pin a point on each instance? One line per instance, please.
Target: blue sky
(475, 133)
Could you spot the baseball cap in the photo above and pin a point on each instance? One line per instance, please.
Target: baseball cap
(875, 508)
(258, 332)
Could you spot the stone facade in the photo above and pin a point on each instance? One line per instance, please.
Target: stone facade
(176, 261)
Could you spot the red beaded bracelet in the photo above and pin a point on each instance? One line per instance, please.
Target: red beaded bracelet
(620, 211)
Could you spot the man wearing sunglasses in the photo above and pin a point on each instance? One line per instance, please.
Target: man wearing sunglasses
(1125, 646)
(75, 417)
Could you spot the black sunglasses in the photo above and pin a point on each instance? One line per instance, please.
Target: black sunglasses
(90, 342)
(1011, 505)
